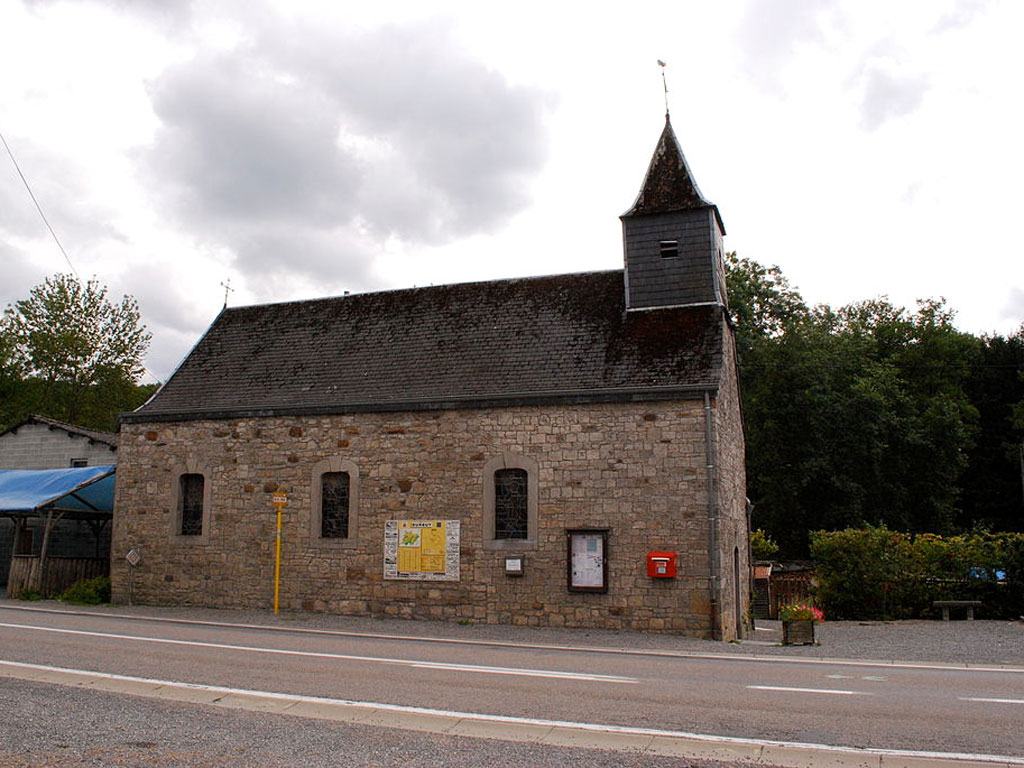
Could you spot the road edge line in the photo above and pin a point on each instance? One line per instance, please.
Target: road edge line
(478, 725)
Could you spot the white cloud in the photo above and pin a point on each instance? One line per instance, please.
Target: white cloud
(302, 132)
(889, 96)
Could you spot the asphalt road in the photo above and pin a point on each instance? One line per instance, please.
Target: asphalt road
(924, 707)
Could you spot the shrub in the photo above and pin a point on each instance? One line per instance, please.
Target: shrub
(88, 592)
(875, 573)
(762, 546)
(30, 594)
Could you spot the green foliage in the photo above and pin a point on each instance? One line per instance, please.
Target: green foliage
(870, 414)
(69, 353)
(88, 592)
(762, 546)
(876, 573)
(993, 484)
(30, 594)
(762, 302)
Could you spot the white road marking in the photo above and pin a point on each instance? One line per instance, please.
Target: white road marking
(743, 658)
(993, 701)
(593, 727)
(417, 663)
(851, 677)
(808, 690)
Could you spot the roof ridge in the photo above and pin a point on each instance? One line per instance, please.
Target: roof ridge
(96, 435)
(467, 284)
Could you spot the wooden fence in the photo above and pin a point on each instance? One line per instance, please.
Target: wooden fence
(786, 588)
(61, 573)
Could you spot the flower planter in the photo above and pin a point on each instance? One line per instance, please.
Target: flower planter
(798, 632)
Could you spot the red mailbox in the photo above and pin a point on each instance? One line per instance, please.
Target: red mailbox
(661, 565)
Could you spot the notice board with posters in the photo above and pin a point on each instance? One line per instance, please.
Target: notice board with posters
(588, 560)
(421, 550)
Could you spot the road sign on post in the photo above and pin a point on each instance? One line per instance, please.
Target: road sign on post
(280, 502)
(134, 558)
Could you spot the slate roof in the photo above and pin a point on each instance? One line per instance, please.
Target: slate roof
(93, 435)
(669, 185)
(559, 338)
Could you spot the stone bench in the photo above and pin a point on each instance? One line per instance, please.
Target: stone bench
(945, 605)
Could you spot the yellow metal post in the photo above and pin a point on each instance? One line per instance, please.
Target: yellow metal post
(280, 501)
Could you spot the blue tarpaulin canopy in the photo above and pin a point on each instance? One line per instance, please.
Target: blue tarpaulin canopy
(78, 489)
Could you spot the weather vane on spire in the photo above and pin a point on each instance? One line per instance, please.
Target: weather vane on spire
(664, 83)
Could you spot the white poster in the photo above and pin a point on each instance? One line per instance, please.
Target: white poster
(588, 559)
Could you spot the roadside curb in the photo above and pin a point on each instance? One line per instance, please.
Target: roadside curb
(476, 725)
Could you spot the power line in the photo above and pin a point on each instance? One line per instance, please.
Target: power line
(47, 223)
(39, 208)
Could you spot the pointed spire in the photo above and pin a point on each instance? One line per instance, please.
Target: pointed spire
(669, 185)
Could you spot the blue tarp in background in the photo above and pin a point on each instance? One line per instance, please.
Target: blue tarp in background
(81, 489)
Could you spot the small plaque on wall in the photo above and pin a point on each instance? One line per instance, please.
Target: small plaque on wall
(421, 550)
(588, 560)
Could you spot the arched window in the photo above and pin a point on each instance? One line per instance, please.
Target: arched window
(190, 503)
(334, 500)
(190, 499)
(511, 507)
(334, 503)
(510, 502)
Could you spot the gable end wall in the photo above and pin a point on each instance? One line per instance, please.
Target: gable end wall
(36, 446)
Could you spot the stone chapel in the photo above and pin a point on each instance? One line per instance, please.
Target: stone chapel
(547, 451)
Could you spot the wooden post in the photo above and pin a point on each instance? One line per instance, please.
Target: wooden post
(37, 582)
(47, 526)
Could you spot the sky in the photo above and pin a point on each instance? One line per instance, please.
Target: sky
(297, 149)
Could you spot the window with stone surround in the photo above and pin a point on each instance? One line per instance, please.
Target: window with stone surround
(334, 508)
(511, 512)
(334, 505)
(190, 489)
(510, 502)
(190, 496)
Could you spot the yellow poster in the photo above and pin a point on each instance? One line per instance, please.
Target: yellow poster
(421, 546)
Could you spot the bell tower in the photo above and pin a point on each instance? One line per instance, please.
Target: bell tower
(672, 237)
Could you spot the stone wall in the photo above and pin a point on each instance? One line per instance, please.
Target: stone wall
(636, 469)
(733, 529)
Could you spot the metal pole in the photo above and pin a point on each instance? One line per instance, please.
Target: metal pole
(277, 559)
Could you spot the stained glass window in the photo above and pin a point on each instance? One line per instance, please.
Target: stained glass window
(334, 495)
(192, 487)
(511, 511)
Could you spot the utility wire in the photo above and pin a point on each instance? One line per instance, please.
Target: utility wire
(47, 223)
(39, 208)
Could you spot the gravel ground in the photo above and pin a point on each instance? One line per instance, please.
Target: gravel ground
(50, 726)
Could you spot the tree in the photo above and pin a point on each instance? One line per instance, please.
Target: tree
(993, 485)
(762, 302)
(853, 416)
(73, 354)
